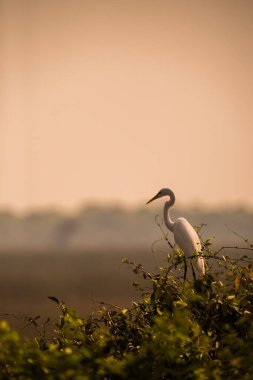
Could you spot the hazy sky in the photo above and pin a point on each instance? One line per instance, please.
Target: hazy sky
(111, 100)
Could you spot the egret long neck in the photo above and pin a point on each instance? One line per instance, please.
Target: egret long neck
(168, 222)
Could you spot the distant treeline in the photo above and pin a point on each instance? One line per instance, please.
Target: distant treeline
(94, 228)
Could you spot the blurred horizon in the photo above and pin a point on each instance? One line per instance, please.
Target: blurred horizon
(124, 207)
(114, 229)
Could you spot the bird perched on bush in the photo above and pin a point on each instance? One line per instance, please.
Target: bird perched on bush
(184, 234)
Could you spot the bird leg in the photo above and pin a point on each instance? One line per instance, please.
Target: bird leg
(193, 273)
(185, 269)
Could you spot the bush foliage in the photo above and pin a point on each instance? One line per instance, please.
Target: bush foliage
(180, 328)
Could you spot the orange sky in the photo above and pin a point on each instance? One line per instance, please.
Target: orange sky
(110, 100)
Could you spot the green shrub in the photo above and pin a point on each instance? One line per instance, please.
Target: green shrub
(179, 329)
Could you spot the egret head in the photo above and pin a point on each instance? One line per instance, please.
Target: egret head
(160, 194)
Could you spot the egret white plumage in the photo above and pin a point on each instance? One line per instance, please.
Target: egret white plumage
(184, 234)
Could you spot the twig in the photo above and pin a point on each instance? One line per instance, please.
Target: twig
(162, 231)
(240, 236)
(235, 247)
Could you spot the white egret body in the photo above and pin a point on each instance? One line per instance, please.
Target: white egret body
(184, 234)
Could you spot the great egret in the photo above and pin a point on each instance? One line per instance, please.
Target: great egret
(184, 234)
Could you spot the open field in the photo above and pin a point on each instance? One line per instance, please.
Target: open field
(80, 279)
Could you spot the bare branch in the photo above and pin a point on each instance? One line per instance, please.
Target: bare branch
(240, 236)
(159, 224)
(235, 247)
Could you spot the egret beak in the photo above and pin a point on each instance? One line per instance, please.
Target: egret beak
(152, 199)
